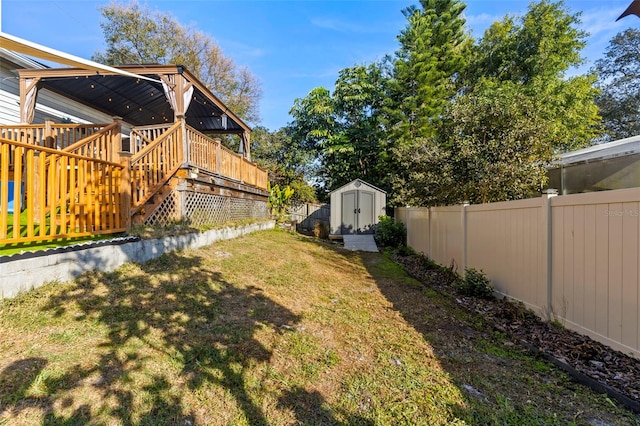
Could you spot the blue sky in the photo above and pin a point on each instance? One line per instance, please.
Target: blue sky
(291, 46)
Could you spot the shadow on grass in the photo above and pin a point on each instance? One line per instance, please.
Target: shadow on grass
(172, 326)
(17, 377)
(174, 339)
(310, 408)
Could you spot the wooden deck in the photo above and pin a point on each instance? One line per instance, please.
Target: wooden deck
(66, 180)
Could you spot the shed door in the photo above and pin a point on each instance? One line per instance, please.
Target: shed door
(357, 212)
(349, 212)
(365, 212)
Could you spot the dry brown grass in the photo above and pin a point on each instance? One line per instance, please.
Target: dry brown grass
(271, 328)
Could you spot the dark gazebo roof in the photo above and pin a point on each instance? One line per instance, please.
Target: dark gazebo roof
(139, 101)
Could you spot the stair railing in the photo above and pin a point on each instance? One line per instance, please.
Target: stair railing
(142, 136)
(154, 165)
(102, 145)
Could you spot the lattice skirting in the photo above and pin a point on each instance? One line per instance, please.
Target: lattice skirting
(200, 209)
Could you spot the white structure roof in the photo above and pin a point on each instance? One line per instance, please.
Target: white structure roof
(602, 151)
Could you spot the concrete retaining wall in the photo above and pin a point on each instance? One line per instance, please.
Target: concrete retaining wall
(24, 272)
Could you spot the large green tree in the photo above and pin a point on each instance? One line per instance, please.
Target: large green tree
(358, 149)
(426, 76)
(345, 129)
(536, 52)
(514, 111)
(135, 34)
(619, 79)
(497, 148)
(432, 54)
(288, 164)
(488, 147)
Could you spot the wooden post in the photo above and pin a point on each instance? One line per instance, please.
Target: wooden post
(116, 141)
(186, 158)
(28, 93)
(125, 189)
(37, 187)
(246, 140)
(4, 190)
(49, 139)
(179, 90)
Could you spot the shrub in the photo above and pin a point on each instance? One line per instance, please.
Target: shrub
(405, 251)
(390, 234)
(279, 200)
(476, 284)
(321, 230)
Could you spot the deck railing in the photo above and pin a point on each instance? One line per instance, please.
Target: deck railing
(50, 135)
(143, 135)
(209, 154)
(89, 187)
(204, 152)
(103, 145)
(47, 194)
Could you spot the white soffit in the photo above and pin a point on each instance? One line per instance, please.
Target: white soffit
(26, 47)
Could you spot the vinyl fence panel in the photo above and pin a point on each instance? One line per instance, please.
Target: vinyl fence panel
(445, 233)
(596, 254)
(573, 258)
(505, 241)
(418, 236)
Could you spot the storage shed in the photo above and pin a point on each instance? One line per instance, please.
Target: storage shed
(355, 208)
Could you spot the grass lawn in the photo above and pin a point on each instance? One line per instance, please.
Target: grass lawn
(270, 329)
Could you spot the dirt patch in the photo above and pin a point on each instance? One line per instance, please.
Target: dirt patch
(600, 364)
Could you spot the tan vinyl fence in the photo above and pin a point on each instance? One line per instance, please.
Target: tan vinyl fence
(573, 258)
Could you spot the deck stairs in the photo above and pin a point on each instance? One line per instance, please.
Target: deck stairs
(146, 210)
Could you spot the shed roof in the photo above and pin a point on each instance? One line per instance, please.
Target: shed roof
(362, 182)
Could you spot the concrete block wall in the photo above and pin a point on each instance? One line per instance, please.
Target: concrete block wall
(24, 272)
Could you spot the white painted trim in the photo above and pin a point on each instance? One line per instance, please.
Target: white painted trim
(27, 47)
